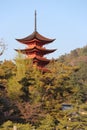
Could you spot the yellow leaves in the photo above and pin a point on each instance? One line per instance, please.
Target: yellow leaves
(47, 103)
(14, 88)
(3, 81)
(60, 68)
(2, 73)
(63, 76)
(31, 88)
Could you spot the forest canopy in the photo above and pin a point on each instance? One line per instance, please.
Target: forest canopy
(31, 99)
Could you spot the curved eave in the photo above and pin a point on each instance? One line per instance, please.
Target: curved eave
(42, 59)
(35, 35)
(36, 57)
(41, 62)
(36, 49)
(44, 52)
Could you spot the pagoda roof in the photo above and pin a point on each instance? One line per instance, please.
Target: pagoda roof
(41, 60)
(36, 49)
(37, 36)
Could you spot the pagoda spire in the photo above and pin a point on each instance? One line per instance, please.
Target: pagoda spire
(35, 49)
(35, 29)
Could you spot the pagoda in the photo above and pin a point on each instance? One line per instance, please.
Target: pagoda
(34, 48)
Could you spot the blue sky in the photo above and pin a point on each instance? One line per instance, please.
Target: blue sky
(65, 20)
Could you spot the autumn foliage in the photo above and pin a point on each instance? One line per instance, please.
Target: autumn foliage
(32, 99)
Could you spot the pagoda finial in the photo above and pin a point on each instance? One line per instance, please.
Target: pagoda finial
(35, 22)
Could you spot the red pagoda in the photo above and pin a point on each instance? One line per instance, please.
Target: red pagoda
(35, 49)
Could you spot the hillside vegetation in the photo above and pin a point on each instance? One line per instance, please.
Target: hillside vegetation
(31, 100)
(75, 57)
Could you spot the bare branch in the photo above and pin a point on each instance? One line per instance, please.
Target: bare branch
(2, 47)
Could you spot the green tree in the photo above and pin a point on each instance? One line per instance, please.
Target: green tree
(17, 84)
(47, 123)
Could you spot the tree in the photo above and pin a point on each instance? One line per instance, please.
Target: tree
(47, 123)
